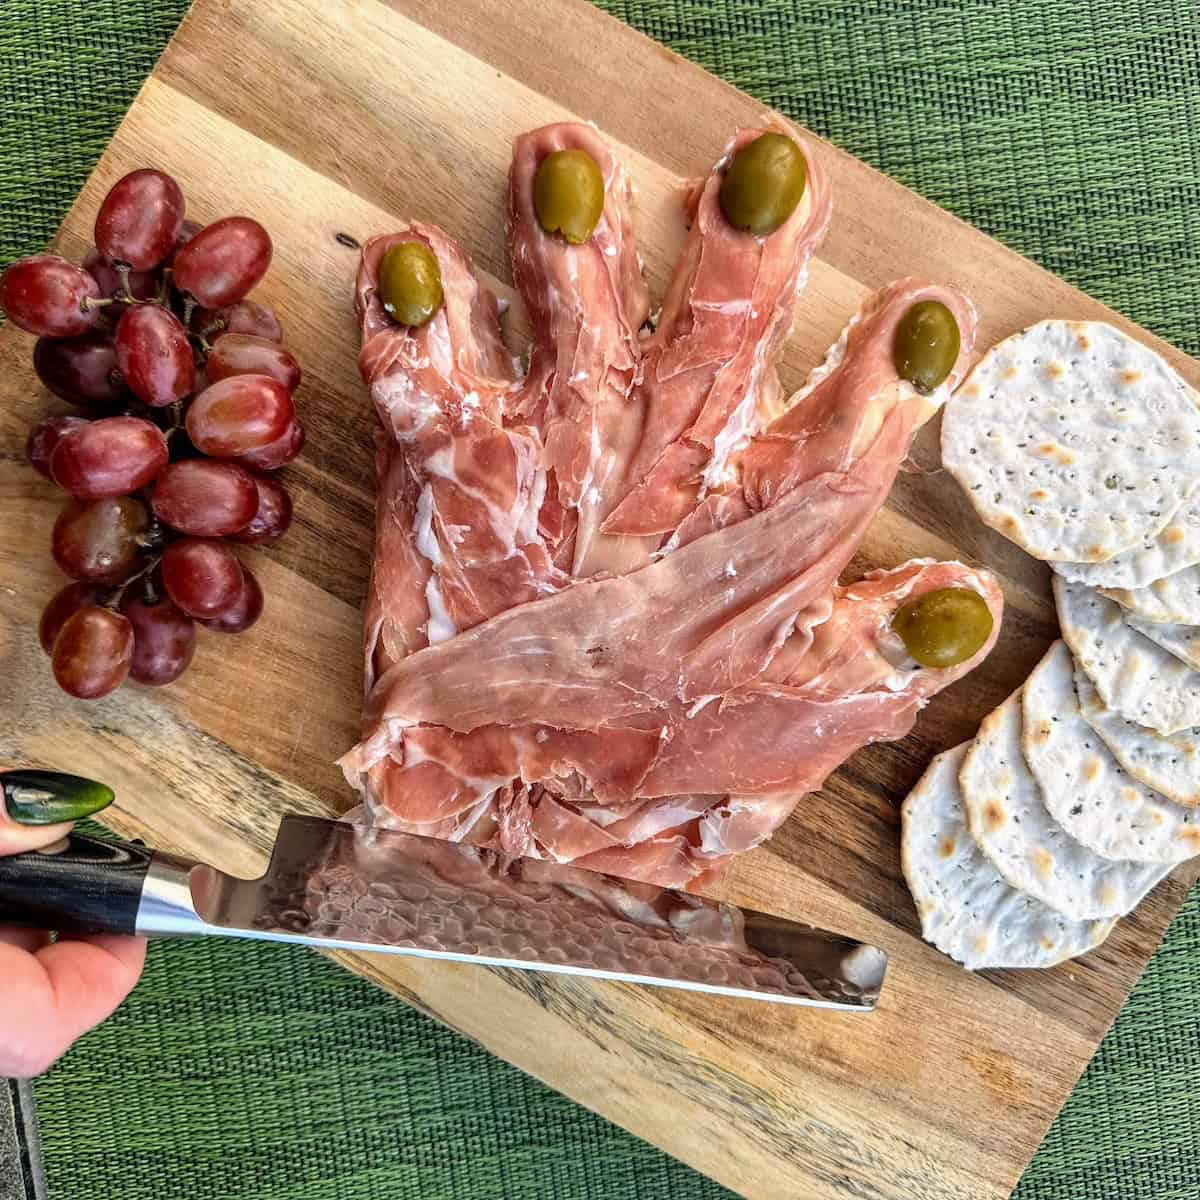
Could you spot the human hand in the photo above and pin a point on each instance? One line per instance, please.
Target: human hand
(52, 992)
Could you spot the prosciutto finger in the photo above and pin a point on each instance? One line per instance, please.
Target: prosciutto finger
(709, 371)
(586, 304)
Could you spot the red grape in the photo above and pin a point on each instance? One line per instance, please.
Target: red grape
(98, 539)
(246, 316)
(202, 576)
(140, 219)
(45, 295)
(205, 498)
(79, 369)
(187, 231)
(92, 652)
(43, 437)
(143, 285)
(279, 452)
(154, 355)
(64, 604)
(223, 261)
(244, 611)
(164, 640)
(243, 354)
(241, 413)
(109, 457)
(273, 515)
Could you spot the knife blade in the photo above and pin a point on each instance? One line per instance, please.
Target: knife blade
(335, 885)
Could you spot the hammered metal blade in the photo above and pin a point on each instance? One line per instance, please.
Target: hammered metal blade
(334, 885)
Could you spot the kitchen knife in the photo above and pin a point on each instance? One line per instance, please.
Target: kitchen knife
(338, 886)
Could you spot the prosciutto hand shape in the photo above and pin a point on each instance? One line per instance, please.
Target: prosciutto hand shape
(604, 624)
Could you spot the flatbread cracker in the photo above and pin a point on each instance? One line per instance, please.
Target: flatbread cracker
(1133, 675)
(1169, 765)
(1176, 546)
(1175, 599)
(967, 910)
(1011, 825)
(1073, 440)
(1084, 787)
(1183, 641)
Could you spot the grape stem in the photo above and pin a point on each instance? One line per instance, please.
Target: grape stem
(114, 601)
(176, 421)
(123, 269)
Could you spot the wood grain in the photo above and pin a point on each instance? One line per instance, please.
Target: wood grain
(344, 116)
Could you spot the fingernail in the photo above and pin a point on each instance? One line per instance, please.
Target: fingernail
(50, 797)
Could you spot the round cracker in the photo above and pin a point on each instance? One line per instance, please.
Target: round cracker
(1169, 765)
(967, 910)
(1133, 675)
(1073, 440)
(1183, 641)
(1174, 547)
(1174, 599)
(1011, 825)
(1084, 787)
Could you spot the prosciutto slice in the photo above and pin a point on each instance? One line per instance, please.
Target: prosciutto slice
(586, 304)
(708, 372)
(604, 624)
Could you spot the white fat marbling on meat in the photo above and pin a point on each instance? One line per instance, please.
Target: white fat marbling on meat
(441, 627)
(511, 527)
(734, 436)
(527, 525)
(426, 539)
(730, 571)
(701, 704)
(441, 353)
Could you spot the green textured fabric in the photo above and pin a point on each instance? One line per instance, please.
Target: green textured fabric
(235, 1072)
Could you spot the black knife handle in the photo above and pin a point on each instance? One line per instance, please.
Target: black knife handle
(80, 885)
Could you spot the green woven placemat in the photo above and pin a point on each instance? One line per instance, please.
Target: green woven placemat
(234, 1072)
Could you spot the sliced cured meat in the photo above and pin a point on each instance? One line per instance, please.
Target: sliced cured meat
(549, 677)
(709, 372)
(771, 737)
(439, 390)
(710, 615)
(586, 304)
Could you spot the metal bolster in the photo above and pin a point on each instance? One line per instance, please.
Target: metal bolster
(168, 907)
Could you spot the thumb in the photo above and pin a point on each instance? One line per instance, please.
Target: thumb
(39, 807)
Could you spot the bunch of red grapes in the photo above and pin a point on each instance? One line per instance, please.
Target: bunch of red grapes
(184, 393)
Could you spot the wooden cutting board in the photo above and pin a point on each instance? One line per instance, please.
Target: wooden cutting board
(328, 117)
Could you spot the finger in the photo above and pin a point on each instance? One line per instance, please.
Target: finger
(586, 303)
(38, 807)
(52, 997)
(15, 839)
(469, 544)
(28, 940)
(708, 379)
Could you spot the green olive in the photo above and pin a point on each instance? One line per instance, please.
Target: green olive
(763, 184)
(926, 346)
(410, 283)
(568, 194)
(945, 627)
